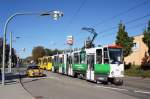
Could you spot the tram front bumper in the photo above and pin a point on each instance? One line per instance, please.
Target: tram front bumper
(101, 78)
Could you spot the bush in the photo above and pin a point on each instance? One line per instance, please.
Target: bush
(127, 66)
(138, 72)
(146, 73)
(145, 62)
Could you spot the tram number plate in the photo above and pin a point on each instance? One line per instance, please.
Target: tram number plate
(101, 78)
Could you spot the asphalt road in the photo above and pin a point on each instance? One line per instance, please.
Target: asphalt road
(57, 86)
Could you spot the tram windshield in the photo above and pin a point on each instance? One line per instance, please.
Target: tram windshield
(115, 55)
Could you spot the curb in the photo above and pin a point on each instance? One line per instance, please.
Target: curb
(21, 84)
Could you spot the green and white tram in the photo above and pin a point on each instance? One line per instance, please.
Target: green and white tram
(55, 59)
(62, 63)
(79, 65)
(104, 64)
(99, 64)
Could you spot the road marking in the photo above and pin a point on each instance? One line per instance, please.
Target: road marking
(140, 91)
(38, 77)
(50, 77)
(120, 89)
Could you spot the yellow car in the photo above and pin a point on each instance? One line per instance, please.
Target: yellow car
(34, 71)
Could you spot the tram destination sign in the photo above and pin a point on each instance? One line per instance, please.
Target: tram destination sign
(70, 40)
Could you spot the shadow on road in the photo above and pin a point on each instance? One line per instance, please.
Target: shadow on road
(31, 79)
(11, 78)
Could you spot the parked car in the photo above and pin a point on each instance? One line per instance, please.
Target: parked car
(34, 71)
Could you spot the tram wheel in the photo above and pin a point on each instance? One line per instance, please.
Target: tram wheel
(118, 81)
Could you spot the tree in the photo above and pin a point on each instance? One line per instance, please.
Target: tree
(50, 52)
(38, 52)
(55, 51)
(146, 38)
(14, 56)
(6, 53)
(27, 60)
(6, 50)
(124, 40)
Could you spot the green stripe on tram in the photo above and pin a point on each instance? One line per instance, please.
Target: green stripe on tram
(102, 68)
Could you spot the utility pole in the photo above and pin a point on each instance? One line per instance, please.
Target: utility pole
(10, 53)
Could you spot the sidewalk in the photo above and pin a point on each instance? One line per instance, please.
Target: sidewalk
(137, 78)
(13, 90)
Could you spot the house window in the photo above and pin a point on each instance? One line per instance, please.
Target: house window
(135, 46)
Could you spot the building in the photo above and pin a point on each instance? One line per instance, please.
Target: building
(139, 51)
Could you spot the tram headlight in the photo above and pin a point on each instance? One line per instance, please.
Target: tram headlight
(112, 73)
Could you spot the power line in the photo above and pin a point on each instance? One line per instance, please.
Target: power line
(137, 19)
(132, 27)
(129, 22)
(136, 26)
(78, 10)
(121, 13)
(76, 13)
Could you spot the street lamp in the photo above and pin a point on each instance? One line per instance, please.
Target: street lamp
(10, 52)
(54, 14)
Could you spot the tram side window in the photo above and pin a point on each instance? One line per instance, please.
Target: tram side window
(50, 59)
(57, 59)
(105, 55)
(54, 59)
(105, 49)
(106, 59)
(67, 59)
(90, 62)
(76, 58)
(63, 59)
(60, 60)
(99, 56)
(70, 60)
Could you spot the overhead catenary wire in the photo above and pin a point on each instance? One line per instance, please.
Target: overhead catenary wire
(129, 22)
(75, 14)
(129, 28)
(121, 13)
(77, 11)
(137, 25)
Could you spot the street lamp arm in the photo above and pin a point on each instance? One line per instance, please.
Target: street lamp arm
(4, 40)
(54, 14)
(14, 15)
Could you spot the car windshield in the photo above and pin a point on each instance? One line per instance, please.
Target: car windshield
(115, 55)
(33, 67)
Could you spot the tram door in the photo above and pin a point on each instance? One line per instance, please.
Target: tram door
(63, 64)
(70, 71)
(90, 68)
(67, 64)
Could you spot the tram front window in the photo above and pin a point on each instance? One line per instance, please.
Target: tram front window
(115, 55)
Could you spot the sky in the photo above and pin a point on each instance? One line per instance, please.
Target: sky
(102, 15)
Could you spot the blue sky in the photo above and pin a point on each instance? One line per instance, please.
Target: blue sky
(37, 30)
